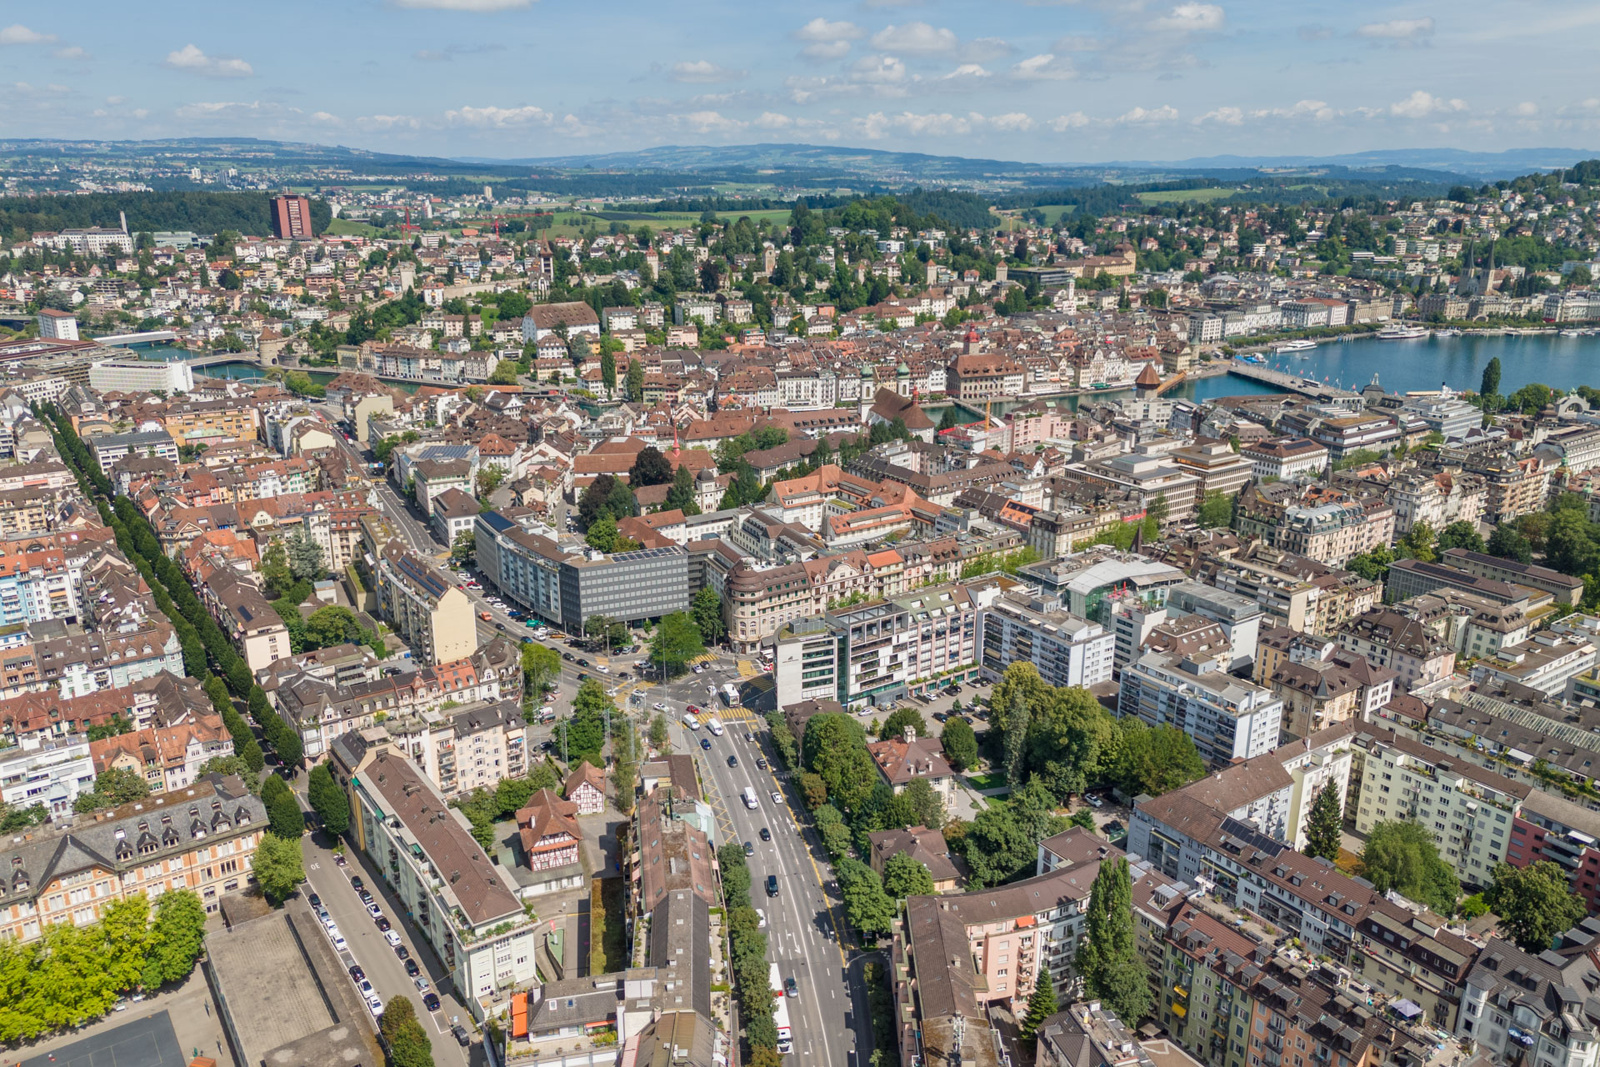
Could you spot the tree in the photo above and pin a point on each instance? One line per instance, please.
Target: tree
(830, 825)
(488, 480)
(540, 665)
(1108, 959)
(1490, 385)
(608, 371)
(1041, 1004)
(1373, 566)
(407, 1039)
(112, 786)
(870, 910)
(602, 535)
(1418, 543)
(1323, 824)
(1156, 759)
(894, 727)
(650, 467)
(278, 866)
(1508, 542)
(635, 384)
(283, 811)
(176, 937)
(505, 373)
(905, 876)
(1020, 689)
(330, 802)
(682, 496)
(1460, 534)
(306, 558)
(1535, 903)
(834, 747)
(660, 734)
(960, 743)
(1402, 856)
(1215, 510)
(464, 549)
(706, 610)
(583, 735)
(676, 641)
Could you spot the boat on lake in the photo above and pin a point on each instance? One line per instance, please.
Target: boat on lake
(1401, 332)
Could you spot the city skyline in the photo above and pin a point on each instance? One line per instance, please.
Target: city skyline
(1036, 82)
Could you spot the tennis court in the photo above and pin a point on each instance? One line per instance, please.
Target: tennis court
(148, 1042)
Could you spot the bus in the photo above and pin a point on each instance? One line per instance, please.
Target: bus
(780, 1013)
(730, 693)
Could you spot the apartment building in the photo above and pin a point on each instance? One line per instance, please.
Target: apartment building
(1412, 577)
(1566, 589)
(463, 749)
(1321, 684)
(200, 838)
(1514, 487)
(425, 608)
(48, 771)
(1284, 458)
(1227, 717)
(1437, 499)
(1518, 1007)
(36, 583)
(1550, 828)
(1407, 647)
(244, 614)
(168, 758)
(463, 902)
(1219, 468)
(1469, 810)
(1475, 626)
(883, 650)
(1546, 662)
(1066, 650)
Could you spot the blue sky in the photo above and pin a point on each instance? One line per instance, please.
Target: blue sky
(1038, 80)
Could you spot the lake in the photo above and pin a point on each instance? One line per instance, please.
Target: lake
(1411, 366)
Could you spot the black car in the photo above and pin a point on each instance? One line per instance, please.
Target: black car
(357, 884)
(314, 900)
(366, 897)
(582, 678)
(499, 626)
(733, 761)
(940, 716)
(356, 973)
(705, 743)
(430, 1001)
(749, 849)
(463, 1038)
(761, 761)
(772, 885)
(766, 835)
(567, 656)
(583, 663)
(383, 923)
(403, 952)
(412, 970)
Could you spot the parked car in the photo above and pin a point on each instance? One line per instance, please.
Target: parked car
(356, 973)
(412, 969)
(375, 1006)
(463, 1038)
(392, 937)
(357, 884)
(314, 900)
(383, 924)
(430, 1001)
(402, 952)
(373, 909)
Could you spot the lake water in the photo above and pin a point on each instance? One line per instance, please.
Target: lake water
(1408, 366)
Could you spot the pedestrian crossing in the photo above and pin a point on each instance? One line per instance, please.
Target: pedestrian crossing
(726, 715)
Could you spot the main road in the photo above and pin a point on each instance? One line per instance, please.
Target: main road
(804, 921)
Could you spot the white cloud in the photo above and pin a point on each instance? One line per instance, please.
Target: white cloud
(966, 71)
(1143, 117)
(710, 122)
(222, 109)
(704, 71)
(389, 122)
(986, 48)
(828, 40)
(1526, 109)
(1420, 105)
(1191, 18)
(878, 70)
(325, 116)
(772, 120)
(191, 59)
(1063, 123)
(499, 117)
(1224, 116)
(1397, 29)
(915, 38)
(939, 124)
(17, 33)
(1046, 66)
(70, 52)
(479, 6)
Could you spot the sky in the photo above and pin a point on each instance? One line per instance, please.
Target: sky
(1033, 80)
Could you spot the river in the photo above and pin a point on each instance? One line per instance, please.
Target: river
(1561, 362)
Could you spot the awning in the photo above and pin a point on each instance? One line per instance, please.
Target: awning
(1406, 1009)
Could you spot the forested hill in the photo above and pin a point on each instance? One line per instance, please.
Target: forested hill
(201, 212)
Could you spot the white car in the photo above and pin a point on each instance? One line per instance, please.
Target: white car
(548, 709)
(698, 669)
(761, 919)
(659, 706)
(375, 1006)
(777, 797)
(391, 937)
(365, 989)
(373, 910)
(332, 928)
(421, 983)
(339, 943)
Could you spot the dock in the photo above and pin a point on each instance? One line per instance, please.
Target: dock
(1292, 383)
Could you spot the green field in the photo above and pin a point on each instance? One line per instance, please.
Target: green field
(347, 228)
(1052, 213)
(1174, 196)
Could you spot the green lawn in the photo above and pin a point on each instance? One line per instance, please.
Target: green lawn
(993, 780)
(608, 929)
(1172, 196)
(347, 228)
